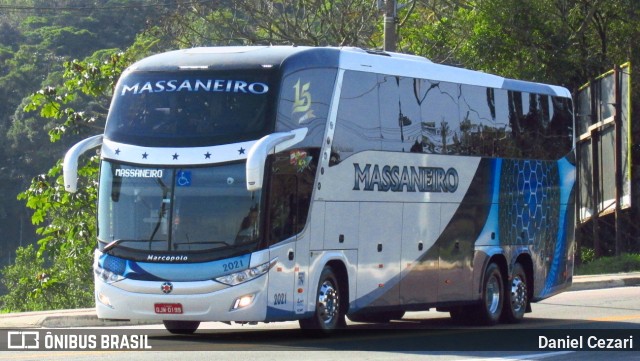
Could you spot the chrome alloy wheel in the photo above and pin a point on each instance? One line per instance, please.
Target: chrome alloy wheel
(518, 294)
(492, 296)
(328, 302)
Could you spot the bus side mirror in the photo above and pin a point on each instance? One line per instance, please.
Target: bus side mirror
(257, 155)
(70, 163)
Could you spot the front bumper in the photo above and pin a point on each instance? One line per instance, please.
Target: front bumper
(200, 301)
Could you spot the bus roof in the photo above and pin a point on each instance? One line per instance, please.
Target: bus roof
(349, 58)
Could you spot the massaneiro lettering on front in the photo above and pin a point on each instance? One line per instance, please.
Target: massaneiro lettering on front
(139, 173)
(195, 85)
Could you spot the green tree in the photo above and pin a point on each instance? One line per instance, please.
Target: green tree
(257, 22)
(64, 255)
(55, 276)
(562, 42)
(36, 39)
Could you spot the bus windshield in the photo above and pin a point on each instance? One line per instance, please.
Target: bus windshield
(177, 210)
(178, 109)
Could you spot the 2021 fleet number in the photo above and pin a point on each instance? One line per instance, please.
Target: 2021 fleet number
(279, 299)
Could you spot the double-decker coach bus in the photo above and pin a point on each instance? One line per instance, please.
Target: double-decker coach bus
(274, 183)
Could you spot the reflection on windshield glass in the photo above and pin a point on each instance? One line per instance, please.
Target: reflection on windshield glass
(178, 210)
(189, 109)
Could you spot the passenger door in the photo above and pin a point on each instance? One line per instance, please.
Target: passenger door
(281, 233)
(289, 199)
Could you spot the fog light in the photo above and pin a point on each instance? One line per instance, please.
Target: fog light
(104, 300)
(242, 302)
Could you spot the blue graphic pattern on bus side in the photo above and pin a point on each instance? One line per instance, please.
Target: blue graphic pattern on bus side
(488, 236)
(183, 272)
(529, 200)
(556, 275)
(533, 211)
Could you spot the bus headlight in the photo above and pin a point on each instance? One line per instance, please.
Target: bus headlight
(242, 302)
(246, 275)
(104, 300)
(106, 275)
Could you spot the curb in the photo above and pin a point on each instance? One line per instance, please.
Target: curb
(89, 321)
(84, 317)
(583, 283)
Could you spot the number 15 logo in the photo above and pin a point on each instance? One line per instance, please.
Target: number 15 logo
(302, 101)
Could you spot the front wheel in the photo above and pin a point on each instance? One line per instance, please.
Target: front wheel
(181, 327)
(329, 315)
(516, 296)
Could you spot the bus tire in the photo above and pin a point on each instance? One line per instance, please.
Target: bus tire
(490, 307)
(516, 296)
(181, 327)
(329, 313)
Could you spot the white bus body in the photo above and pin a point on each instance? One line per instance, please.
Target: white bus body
(289, 183)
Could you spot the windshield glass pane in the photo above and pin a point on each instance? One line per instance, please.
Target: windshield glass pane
(177, 210)
(190, 108)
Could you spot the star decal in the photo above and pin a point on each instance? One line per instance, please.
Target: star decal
(207, 155)
(175, 156)
(145, 155)
(118, 151)
(241, 150)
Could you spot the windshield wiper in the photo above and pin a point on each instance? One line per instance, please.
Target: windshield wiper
(179, 244)
(117, 242)
(163, 210)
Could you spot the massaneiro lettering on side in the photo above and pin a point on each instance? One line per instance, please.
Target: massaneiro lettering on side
(405, 179)
(209, 85)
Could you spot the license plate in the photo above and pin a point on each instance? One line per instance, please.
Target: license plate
(168, 308)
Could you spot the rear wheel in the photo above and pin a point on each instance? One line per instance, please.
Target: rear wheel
(490, 309)
(181, 327)
(516, 296)
(329, 313)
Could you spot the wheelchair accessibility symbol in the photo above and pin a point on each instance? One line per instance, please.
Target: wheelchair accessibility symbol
(183, 178)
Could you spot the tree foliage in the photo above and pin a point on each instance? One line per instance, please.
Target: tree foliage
(36, 39)
(63, 258)
(284, 22)
(55, 275)
(562, 42)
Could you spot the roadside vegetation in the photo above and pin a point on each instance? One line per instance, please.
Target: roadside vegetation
(626, 262)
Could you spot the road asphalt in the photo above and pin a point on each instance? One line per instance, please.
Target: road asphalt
(86, 317)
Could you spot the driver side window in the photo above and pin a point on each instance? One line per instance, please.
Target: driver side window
(292, 177)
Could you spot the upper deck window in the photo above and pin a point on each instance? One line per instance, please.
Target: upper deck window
(163, 109)
(403, 114)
